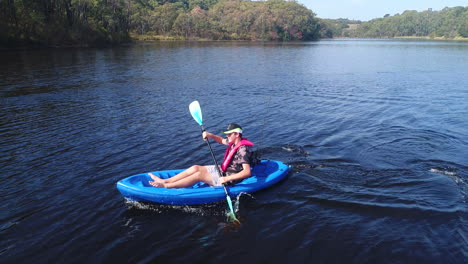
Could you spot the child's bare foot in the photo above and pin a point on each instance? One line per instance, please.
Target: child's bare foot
(157, 184)
(155, 178)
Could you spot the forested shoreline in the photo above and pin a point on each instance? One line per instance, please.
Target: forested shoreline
(27, 23)
(104, 22)
(448, 23)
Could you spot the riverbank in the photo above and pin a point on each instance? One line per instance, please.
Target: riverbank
(153, 37)
(433, 38)
(141, 38)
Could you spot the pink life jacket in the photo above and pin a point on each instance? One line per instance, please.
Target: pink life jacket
(229, 154)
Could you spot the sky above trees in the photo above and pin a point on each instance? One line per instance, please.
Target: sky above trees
(369, 9)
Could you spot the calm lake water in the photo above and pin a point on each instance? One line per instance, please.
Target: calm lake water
(376, 133)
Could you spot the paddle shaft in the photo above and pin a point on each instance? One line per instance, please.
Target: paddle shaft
(196, 113)
(214, 159)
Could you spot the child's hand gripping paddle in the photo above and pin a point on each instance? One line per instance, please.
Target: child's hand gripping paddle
(196, 112)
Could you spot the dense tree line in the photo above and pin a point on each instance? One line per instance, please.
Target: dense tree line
(63, 22)
(94, 22)
(340, 27)
(103, 22)
(230, 20)
(448, 23)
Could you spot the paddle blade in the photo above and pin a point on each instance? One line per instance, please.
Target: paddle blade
(196, 112)
(231, 215)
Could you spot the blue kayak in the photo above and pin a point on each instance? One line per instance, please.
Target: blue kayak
(137, 188)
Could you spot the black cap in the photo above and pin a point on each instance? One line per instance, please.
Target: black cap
(232, 128)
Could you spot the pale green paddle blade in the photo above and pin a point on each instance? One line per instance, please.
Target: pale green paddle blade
(231, 216)
(196, 112)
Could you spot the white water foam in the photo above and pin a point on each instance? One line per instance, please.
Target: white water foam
(457, 179)
(444, 172)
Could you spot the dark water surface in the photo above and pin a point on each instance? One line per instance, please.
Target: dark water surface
(376, 132)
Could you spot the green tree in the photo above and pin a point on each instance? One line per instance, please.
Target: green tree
(164, 16)
(203, 4)
(449, 22)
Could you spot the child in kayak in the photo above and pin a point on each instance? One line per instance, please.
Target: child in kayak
(235, 166)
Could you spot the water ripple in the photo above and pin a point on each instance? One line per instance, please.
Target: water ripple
(377, 151)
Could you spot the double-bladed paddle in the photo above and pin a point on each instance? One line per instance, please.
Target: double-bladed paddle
(196, 112)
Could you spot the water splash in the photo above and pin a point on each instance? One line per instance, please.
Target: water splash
(454, 175)
(207, 209)
(447, 171)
